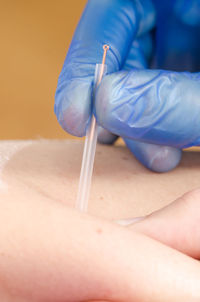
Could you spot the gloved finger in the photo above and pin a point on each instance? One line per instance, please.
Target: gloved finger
(177, 38)
(155, 157)
(139, 55)
(154, 106)
(188, 11)
(106, 137)
(115, 22)
(176, 225)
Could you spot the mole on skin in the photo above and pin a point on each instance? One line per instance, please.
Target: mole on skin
(99, 231)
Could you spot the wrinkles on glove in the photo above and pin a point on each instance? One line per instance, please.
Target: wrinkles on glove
(155, 106)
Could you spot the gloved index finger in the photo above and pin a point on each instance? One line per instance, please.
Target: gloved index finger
(114, 22)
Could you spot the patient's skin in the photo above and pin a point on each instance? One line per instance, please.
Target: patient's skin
(121, 186)
(49, 250)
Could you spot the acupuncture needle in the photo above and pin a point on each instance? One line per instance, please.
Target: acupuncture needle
(90, 145)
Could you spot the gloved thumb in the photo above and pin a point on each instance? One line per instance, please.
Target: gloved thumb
(153, 106)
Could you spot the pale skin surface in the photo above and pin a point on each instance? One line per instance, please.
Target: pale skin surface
(50, 252)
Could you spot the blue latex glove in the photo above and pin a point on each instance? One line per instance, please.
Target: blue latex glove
(157, 112)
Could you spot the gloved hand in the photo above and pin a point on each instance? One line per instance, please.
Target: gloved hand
(157, 112)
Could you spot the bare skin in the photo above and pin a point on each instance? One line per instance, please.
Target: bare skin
(50, 252)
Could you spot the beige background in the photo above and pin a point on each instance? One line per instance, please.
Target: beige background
(35, 36)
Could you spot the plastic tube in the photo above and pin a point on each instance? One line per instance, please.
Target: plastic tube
(89, 150)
